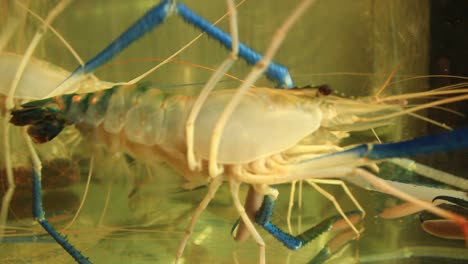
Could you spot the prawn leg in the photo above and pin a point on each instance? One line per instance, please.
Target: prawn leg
(334, 223)
(154, 18)
(39, 216)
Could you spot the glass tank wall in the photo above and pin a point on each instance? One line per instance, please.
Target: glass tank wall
(136, 212)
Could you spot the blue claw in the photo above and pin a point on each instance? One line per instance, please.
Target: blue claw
(155, 17)
(452, 140)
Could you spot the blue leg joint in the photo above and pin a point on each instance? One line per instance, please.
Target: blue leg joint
(448, 141)
(274, 72)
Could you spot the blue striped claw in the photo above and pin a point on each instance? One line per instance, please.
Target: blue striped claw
(154, 18)
(448, 141)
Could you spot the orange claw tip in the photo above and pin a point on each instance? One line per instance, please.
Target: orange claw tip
(445, 228)
(455, 226)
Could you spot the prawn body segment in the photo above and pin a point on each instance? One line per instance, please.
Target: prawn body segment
(152, 118)
(268, 122)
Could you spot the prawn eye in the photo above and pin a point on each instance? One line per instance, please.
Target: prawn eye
(324, 89)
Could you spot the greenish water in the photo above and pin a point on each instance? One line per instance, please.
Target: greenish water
(350, 45)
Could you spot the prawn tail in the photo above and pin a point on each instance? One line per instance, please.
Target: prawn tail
(44, 122)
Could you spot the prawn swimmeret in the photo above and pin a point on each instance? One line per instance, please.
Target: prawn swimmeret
(257, 136)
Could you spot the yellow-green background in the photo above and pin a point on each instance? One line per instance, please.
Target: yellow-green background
(351, 45)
